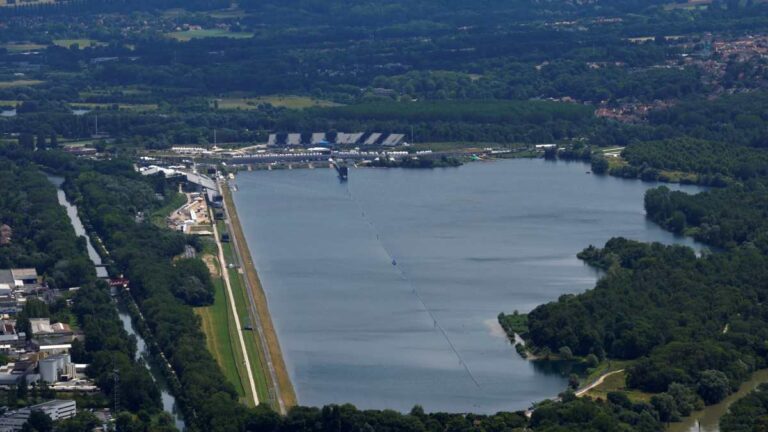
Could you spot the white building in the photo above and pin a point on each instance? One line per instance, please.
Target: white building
(57, 409)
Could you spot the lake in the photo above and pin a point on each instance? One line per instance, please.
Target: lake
(385, 290)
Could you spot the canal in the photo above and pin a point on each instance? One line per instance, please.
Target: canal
(708, 419)
(169, 402)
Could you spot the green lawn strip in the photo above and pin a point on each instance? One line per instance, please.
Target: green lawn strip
(222, 333)
(242, 304)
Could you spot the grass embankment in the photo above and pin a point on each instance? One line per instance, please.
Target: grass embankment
(287, 393)
(251, 338)
(217, 324)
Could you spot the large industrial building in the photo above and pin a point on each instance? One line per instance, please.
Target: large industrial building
(13, 421)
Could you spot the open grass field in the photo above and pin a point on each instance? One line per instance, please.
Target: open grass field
(617, 383)
(19, 83)
(252, 345)
(290, 102)
(120, 106)
(217, 326)
(111, 91)
(242, 305)
(185, 36)
(81, 43)
(17, 47)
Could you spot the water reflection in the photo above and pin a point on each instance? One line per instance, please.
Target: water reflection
(561, 368)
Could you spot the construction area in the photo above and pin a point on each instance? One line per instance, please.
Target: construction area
(193, 217)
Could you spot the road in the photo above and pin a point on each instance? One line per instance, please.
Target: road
(231, 298)
(256, 319)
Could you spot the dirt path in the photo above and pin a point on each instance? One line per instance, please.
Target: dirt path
(581, 392)
(210, 262)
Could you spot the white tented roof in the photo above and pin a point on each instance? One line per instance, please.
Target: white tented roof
(393, 140)
(372, 139)
(294, 139)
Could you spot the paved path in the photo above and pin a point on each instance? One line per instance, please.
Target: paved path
(225, 275)
(583, 391)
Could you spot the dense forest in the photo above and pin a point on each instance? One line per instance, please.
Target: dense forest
(748, 414)
(687, 322)
(40, 233)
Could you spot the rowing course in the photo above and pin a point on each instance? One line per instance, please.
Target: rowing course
(473, 241)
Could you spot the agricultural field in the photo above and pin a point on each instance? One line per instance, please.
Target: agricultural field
(81, 43)
(112, 91)
(290, 102)
(187, 35)
(4, 3)
(19, 83)
(110, 106)
(17, 47)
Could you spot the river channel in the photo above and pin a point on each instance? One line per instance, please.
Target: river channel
(169, 402)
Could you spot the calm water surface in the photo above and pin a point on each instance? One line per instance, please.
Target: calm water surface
(385, 290)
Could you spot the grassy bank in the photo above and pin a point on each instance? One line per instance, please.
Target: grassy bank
(217, 323)
(252, 345)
